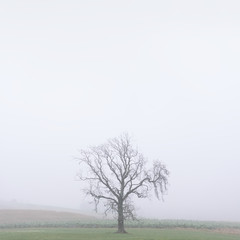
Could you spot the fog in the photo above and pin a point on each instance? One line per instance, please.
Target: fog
(76, 73)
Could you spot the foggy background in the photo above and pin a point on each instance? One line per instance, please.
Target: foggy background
(76, 73)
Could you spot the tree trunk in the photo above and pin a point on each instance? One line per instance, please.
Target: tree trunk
(121, 228)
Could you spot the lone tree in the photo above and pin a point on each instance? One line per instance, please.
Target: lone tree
(115, 172)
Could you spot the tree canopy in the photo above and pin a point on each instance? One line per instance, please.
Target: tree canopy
(116, 172)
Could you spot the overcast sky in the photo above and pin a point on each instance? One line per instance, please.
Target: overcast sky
(76, 73)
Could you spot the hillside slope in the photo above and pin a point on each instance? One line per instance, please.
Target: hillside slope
(37, 216)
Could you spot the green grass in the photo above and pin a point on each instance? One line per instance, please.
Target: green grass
(144, 223)
(108, 234)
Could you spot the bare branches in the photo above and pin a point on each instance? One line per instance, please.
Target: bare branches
(115, 171)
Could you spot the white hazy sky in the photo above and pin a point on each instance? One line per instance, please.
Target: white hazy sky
(75, 73)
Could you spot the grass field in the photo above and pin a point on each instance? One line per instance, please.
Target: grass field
(53, 219)
(51, 225)
(8, 217)
(108, 234)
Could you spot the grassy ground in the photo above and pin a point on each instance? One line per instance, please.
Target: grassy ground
(108, 234)
(52, 219)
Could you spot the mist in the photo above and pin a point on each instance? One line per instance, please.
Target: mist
(76, 73)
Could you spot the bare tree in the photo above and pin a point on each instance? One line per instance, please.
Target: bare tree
(116, 172)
